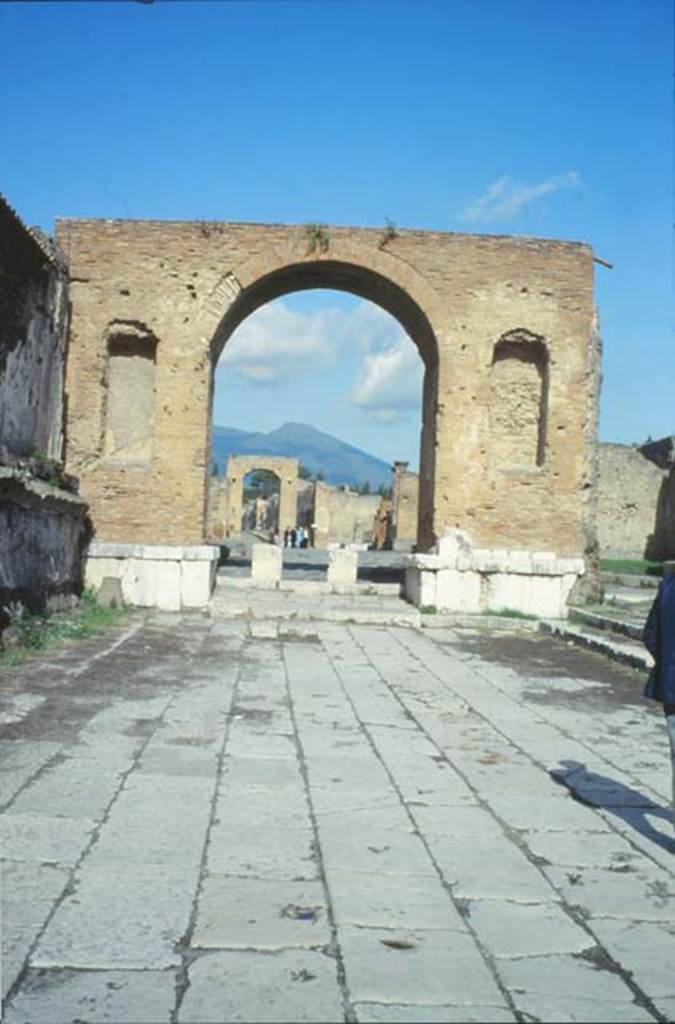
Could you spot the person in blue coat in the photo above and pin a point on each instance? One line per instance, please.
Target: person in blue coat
(659, 639)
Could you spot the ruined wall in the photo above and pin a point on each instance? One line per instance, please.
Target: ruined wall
(43, 528)
(661, 544)
(405, 502)
(42, 538)
(460, 297)
(33, 321)
(343, 516)
(629, 488)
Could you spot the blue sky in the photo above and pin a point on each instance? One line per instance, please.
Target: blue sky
(510, 116)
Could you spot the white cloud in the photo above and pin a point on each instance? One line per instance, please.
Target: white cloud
(391, 382)
(506, 198)
(275, 342)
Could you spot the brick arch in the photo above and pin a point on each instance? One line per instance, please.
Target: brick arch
(371, 273)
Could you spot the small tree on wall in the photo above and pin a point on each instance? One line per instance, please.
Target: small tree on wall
(318, 238)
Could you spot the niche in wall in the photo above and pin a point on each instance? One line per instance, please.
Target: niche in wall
(519, 401)
(130, 405)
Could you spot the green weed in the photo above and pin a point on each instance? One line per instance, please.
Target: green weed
(632, 566)
(509, 613)
(41, 631)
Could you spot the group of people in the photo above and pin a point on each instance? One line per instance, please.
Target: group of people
(297, 537)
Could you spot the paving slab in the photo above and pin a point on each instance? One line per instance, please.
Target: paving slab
(568, 988)
(582, 849)
(116, 919)
(645, 949)
(388, 1013)
(20, 760)
(263, 852)
(415, 966)
(624, 892)
(377, 851)
(289, 986)
(28, 895)
(488, 869)
(259, 913)
(44, 839)
(97, 997)
(516, 930)
(386, 901)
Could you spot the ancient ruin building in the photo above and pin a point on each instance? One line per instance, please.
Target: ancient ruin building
(41, 524)
(505, 327)
(636, 500)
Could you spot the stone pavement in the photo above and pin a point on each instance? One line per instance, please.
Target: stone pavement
(211, 820)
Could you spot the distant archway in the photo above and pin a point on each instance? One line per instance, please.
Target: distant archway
(238, 467)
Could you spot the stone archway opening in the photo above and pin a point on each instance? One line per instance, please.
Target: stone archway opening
(362, 283)
(261, 495)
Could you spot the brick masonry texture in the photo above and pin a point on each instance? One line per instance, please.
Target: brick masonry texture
(189, 284)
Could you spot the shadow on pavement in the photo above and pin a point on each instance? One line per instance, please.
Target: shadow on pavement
(630, 805)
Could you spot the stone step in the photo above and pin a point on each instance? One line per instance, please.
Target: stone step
(618, 648)
(626, 597)
(630, 580)
(307, 587)
(259, 604)
(608, 623)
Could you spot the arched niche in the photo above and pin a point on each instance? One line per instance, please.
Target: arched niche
(519, 381)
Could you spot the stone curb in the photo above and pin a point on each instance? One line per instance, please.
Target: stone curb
(155, 552)
(626, 653)
(598, 621)
(348, 616)
(634, 581)
(468, 621)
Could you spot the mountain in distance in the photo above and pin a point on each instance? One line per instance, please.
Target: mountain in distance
(340, 463)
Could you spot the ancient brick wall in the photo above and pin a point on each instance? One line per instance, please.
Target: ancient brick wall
(343, 516)
(189, 284)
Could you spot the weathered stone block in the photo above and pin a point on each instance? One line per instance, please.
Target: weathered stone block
(342, 567)
(453, 545)
(196, 583)
(542, 596)
(110, 593)
(266, 561)
(458, 591)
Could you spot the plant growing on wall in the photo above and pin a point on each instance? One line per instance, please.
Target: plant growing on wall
(389, 232)
(318, 238)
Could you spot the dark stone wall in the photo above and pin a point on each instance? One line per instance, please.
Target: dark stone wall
(43, 528)
(33, 327)
(43, 533)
